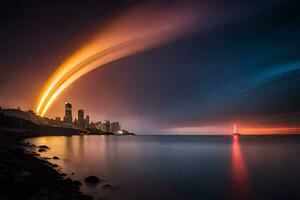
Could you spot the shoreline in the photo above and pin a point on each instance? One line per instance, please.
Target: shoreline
(23, 175)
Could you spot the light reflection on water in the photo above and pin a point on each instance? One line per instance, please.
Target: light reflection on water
(181, 167)
(240, 177)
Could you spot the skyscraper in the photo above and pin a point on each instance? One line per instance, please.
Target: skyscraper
(81, 121)
(68, 113)
(87, 121)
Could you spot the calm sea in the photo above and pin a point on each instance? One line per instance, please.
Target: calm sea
(181, 167)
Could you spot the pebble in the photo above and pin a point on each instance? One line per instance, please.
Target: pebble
(92, 180)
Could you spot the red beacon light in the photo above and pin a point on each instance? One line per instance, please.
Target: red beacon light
(235, 131)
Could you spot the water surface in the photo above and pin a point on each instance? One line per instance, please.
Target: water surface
(181, 167)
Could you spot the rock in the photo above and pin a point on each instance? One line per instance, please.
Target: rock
(63, 174)
(108, 186)
(54, 165)
(93, 180)
(35, 154)
(75, 188)
(68, 181)
(23, 174)
(56, 158)
(42, 150)
(75, 182)
(43, 147)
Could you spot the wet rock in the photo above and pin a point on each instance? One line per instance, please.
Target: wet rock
(22, 174)
(43, 147)
(75, 182)
(93, 180)
(54, 165)
(35, 154)
(75, 188)
(68, 181)
(42, 150)
(108, 186)
(56, 158)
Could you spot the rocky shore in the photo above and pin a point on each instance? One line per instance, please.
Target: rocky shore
(23, 175)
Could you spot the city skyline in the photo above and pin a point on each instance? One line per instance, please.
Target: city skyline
(83, 121)
(223, 69)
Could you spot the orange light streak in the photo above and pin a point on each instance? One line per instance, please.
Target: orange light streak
(135, 31)
(271, 130)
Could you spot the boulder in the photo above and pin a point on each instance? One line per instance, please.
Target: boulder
(43, 147)
(56, 158)
(22, 174)
(108, 186)
(42, 150)
(63, 174)
(68, 181)
(75, 182)
(54, 165)
(93, 180)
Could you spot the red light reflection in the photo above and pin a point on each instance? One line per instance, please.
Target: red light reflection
(240, 178)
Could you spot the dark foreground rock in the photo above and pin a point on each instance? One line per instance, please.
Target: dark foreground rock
(56, 158)
(108, 186)
(43, 147)
(23, 176)
(92, 180)
(75, 182)
(42, 150)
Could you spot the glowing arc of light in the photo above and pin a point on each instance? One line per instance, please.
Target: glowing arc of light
(128, 34)
(68, 82)
(92, 62)
(67, 73)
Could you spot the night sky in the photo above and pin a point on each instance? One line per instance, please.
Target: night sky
(240, 63)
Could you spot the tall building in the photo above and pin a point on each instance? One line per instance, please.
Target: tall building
(68, 113)
(87, 121)
(115, 127)
(81, 120)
